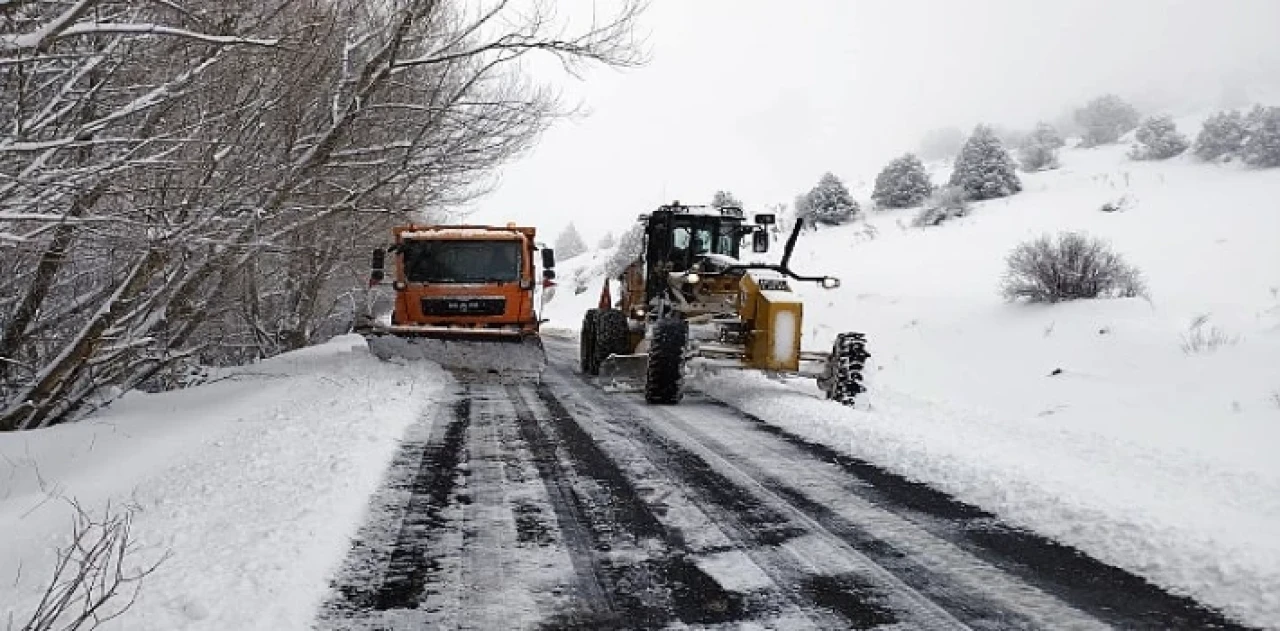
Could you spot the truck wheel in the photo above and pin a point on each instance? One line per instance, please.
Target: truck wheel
(611, 335)
(664, 379)
(842, 379)
(587, 343)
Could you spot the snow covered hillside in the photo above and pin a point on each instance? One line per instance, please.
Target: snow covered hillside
(248, 489)
(1141, 431)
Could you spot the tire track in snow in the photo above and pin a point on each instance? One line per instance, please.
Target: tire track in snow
(743, 539)
(818, 570)
(390, 561)
(643, 568)
(572, 524)
(927, 580)
(1106, 592)
(408, 567)
(969, 594)
(488, 522)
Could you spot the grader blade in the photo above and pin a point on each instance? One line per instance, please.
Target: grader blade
(624, 373)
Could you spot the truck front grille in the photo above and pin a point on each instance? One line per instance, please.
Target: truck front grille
(464, 306)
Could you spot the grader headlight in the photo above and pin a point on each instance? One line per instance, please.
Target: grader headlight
(830, 282)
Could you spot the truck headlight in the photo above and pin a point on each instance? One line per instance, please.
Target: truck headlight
(692, 278)
(830, 282)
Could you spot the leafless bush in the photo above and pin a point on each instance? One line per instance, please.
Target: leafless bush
(1073, 266)
(95, 578)
(1202, 337)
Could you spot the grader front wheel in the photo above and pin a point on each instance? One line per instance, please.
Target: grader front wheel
(664, 377)
(587, 343)
(843, 380)
(610, 336)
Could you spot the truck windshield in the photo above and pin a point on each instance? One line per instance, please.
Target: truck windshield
(461, 261)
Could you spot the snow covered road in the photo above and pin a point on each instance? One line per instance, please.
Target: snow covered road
(561, 506)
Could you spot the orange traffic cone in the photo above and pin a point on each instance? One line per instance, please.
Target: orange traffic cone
(606, 300)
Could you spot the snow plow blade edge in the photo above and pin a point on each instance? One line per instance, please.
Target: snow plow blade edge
(505, 353)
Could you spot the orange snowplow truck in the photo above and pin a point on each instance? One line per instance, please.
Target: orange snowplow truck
(462, 284)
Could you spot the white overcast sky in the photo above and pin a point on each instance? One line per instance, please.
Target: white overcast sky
(761, 97)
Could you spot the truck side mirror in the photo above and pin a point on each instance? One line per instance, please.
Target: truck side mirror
(548, 259)
(378, 264)
(766, 219)
(760, 241)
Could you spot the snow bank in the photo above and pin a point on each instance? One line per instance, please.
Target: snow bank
(578, 282)
(252, 485)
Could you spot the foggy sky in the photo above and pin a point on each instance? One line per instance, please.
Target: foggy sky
(762, 97)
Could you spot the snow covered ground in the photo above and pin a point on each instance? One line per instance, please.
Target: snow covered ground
(1086, 421)
(252, 486)
(1148, 456)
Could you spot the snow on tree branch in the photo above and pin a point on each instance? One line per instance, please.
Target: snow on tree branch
(34, 41)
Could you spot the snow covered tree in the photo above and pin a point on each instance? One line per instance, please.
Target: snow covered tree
(827, 203)
(1223, 135)
(183, 186)
(630, 248)
(570, 242)
(1262, 137)
(1039, 150)
(902, 184)
(1158, 139)
(983, 168)
(942, 143)
(1105, 119)
(725, 199)
(606, 241)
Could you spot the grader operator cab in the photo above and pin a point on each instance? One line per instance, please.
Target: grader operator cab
(464, 297)
(689, 297)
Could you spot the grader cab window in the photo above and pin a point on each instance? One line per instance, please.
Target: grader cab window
(728, 238)
(695, 237)
(461, 261)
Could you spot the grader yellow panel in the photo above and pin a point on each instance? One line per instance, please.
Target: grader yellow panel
(775, 316)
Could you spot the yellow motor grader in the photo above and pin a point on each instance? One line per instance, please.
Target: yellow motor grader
(688, 298)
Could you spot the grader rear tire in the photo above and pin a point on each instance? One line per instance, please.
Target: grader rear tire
(664, 379)
(611, 336)
(587, 343)
(842, 380)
